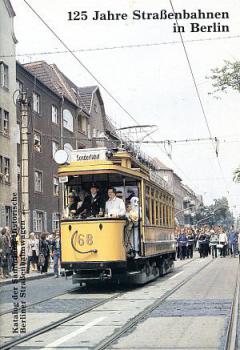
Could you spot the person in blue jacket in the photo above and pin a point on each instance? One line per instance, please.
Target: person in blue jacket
(233, 241)
(182, 244)
(56, 248)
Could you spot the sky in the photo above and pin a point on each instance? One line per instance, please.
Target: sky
(153, 82)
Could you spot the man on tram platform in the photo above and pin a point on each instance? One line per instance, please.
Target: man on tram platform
(115, 207)
(93, 204)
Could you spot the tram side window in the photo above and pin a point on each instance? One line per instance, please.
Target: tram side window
(147, 216)
(160, 210)
(164, 211)
(157, 212)
(173, 211)
(167, 211)
(153, 209)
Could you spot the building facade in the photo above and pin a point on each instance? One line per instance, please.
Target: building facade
(60, 117)
(186, 200)
(8, 145)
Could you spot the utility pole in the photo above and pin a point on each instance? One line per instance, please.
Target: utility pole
(24, 160)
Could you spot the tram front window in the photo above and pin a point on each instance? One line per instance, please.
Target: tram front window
(88, 196)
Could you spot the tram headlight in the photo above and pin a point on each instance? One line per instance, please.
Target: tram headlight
(109, 154)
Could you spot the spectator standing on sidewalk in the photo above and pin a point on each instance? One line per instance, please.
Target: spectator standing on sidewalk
(190, 244)
(6, 251)
(9, 250)
(182, 243)
(203, 244)
(32, 252)
(214, 239)
(44, 253)
(233, 241)
(56, 248)
(223, 242)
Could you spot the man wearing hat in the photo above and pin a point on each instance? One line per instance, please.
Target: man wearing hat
(93, 204)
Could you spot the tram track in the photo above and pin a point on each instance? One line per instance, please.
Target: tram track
(9, 311)
(134, 321)
(231, 336)
(41, 301)
(44, 329)
(117, 334)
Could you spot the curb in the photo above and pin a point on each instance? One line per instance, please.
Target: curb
(29, 278)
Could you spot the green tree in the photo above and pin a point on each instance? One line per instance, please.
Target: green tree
(216, 214)
(225, 78)
(236, 175)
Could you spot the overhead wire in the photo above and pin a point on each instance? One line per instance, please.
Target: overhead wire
(84, 66)
(81, 63)
(98, 81)
(127, 46)
(199, 98)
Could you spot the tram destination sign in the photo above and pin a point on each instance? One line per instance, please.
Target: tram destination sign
(155, 177)
(89, 154)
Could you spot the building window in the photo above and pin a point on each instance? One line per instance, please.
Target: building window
(54, 114)
(67, 120)
(55, 221)
(55, 186)
(4, 75)
(37, 141)
(8, 220)
(6, 169)
(37, 181)
(55, 147)
(39, 222)
(39, 218)
(36, 102)
(5, 123)
(82, 124)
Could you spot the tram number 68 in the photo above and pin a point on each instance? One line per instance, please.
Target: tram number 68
(85, 239)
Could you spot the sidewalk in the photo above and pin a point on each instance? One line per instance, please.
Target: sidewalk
(29, 276)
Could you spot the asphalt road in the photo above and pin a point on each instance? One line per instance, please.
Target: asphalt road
(194, 317)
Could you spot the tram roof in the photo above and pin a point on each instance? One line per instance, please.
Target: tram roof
(120, 162)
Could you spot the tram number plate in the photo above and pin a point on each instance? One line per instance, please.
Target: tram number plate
(85, 239)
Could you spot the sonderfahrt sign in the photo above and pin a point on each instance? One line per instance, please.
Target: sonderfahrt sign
(89, 154)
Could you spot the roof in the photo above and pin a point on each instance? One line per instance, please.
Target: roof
(86, 95)
(54, 79)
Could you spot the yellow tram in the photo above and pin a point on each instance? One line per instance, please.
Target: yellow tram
(99, 248)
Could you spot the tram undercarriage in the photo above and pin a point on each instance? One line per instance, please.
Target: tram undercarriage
(136, 271)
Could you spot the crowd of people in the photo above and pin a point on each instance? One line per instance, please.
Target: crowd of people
(40, 252)
(215, 241)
